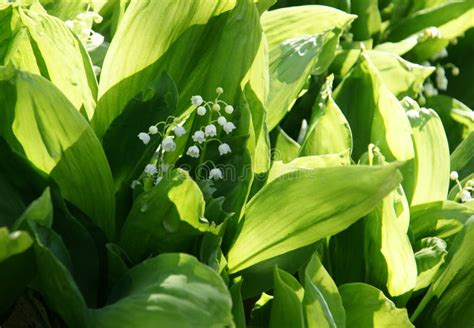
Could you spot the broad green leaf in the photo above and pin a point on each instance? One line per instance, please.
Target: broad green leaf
(328, 132)
(322, 303)
(402, 77)
(448, 302)
(187, 47)
(238, 311)
(307, 162)
(261, 154)
(285, 23)
(368, 23)
(462, 159)
(290, 66)
(440, 219)
(316, 205)
(403, 46)
(54, 281)
(259, 277)
(20, 183)
(116, 264)
(65, 9)
(374, 113)
(429, 258)
(389, 260)
(287, 309)
(457, 118)
(59, 56)
(285, 148)
(452, 18)
(261, 311)
(8, 29)
(165, 218)
(167, 290)
(367, 307)
(16, 265)
(44, 127)
(431, 165)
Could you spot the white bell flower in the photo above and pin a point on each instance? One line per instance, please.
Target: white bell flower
(210, 130)
(224, 149)
(454, 175)
(215, 174)
(144, 137)
(197, 100)
(179, 131)
(193, 151)
(153, 129)
(229, 127)
(465, 196)
(199, 137)
(150, 169)
(201, 110)
(221, 120)
(168, 144)
(216, 107)
(229, 109)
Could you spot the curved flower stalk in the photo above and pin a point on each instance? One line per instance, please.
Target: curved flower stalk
(218, 113)
(465, 192)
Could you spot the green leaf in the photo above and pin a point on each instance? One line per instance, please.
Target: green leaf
(285, 23)
(16, 265)
(13, 243)
(457, 118)
(43, 126)
(65, 9)
(287, 310)
(368, 22)
(429, 258)
(286, 149)
(452, 18)
(165, 218)
(290, 68)
(402, 77)
(59, 56)
(367, 307)
(462, 159)
(440, 219)
(307, 162)
(328, 132)
(238, 311)
(322, 303)
(448, 302)
(187, 47)
(166, 290)
(261, 311)
(374, 113)
(316, 205)
(431, 165)
(389, 260)
(54, 281)
(261, 155)
(259, 277)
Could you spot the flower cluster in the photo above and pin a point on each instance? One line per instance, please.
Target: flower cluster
(465, 193)
(82, 27)
(218, 113)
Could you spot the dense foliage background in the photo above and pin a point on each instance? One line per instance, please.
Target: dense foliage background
(198, 163)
